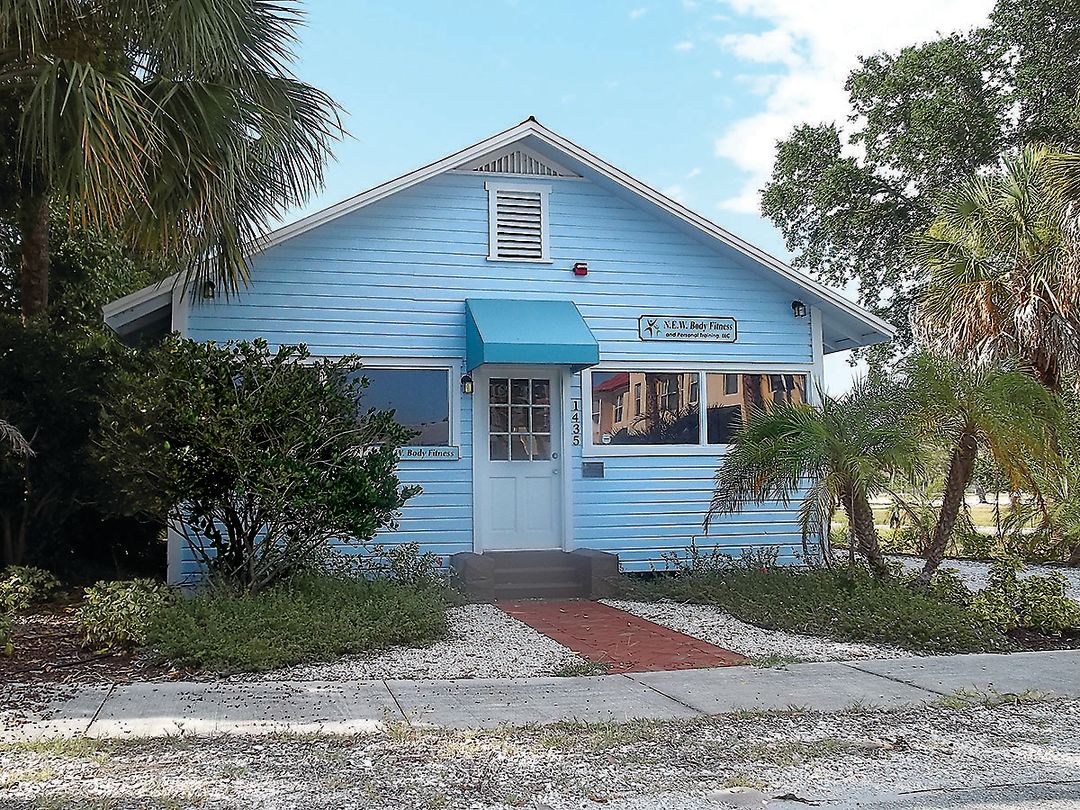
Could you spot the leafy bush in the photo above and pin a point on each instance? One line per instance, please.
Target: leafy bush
(120, 613)
(265, 457)
(841, 604)
(1036, 602)
(973, 544)
(309, 618)
(24, 585)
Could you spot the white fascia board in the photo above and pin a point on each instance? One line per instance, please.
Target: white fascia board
(122, 311)
(616, 175)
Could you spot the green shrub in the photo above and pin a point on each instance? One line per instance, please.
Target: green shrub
(840, 604)
(697, 560)
(6, 646)
(1037, 602)
(902, 540)
(310, 618)
(24, 585)
(119, 613)
(974, 544)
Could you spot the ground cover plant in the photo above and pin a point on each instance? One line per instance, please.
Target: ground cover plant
(842, 604)
(308, 618)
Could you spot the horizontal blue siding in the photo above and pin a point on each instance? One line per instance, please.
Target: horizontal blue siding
(390, 280)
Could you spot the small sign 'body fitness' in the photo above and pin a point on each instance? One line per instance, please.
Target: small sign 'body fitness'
(415, 453)
(688, 327)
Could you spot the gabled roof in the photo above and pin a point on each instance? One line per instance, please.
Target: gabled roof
(846, 325)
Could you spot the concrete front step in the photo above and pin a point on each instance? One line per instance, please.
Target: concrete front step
(580, 574)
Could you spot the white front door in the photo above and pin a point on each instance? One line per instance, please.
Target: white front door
(518, 466)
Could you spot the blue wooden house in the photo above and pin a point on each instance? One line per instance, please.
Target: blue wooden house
(572, 348)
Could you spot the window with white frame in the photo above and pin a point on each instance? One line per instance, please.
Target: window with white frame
(518, 222)
(419, 398)
(673, 410)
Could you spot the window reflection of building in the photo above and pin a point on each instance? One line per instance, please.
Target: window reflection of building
(730, 396)
(665, 407)
(640, 407)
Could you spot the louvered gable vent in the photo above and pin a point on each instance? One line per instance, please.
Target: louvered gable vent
(518, 222)
(521, 161)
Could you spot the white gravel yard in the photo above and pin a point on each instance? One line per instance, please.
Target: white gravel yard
(483, 642)
(724, 630)
(936, 756)
(974, 573)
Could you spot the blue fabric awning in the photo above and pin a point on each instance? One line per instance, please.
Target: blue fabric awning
(506, 330)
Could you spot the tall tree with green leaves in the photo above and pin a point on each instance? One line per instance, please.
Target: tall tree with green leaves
(1000, 280)
(176, 125)
(838, 454)
(848, 195)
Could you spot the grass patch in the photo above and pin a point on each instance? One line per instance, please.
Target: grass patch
(599, 736)
(989, 699)
(312, 618)
(838, 604)
(74, 748)
(578, 668)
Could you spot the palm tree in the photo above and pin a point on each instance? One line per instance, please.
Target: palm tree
(176, 125)
(1054, 513)
(836, 454)
(962, 408)
(1001, 284)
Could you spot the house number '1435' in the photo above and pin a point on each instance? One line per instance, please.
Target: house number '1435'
(575, 422)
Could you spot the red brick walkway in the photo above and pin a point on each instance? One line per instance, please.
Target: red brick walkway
(619, 640)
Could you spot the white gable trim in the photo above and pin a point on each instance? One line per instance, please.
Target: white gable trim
(506, 140)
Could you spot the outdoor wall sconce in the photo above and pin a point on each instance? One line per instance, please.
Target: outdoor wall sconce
(208, 289)
(466, 384)
(581, 269)
(799, 308)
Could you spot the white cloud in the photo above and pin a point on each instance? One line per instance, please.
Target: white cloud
(809, 48)
(694, 172)
(685, 45)
(636, 13)
(676, 192)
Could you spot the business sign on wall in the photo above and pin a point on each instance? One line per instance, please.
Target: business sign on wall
(688, 327)
(416, 453)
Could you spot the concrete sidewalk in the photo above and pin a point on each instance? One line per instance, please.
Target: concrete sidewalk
(174, 708)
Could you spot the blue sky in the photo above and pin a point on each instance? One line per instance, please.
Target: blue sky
(687, 95)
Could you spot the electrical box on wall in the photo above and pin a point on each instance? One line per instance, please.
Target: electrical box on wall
(592, 469)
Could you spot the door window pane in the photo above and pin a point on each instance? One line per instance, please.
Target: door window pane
(541, 392)
(419, 398)
(732, 396)
(519, 392)
(500, 448)
(499, 391)
(520, 447)
(519, 419)
(669, 411)
(541, 447)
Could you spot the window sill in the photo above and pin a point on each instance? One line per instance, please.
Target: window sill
(522, 261)
(643, 451)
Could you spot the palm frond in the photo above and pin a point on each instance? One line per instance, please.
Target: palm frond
(10, 436)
